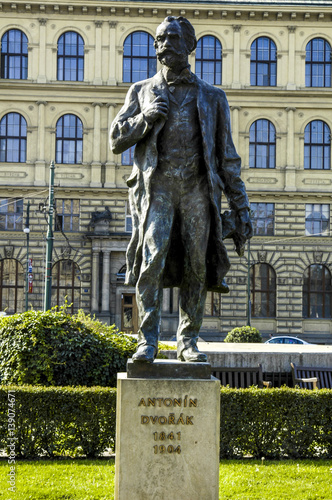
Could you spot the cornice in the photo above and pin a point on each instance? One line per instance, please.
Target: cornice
(104, 10)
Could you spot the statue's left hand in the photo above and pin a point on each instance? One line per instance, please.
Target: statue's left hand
(243, 230)
(245, 227)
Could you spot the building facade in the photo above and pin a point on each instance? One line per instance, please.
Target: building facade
(65, 70)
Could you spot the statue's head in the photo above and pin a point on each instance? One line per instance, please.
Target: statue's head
(175, 40)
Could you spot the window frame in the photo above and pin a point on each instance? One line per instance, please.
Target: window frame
(8, 203)
(268, 291)
(8, 56)
(77, 57)
(151, 60)
(324, 64)
(320, 220)
(127, 157)
(200, 59)
(265, 218)
(319, 291)
(16, 286)
(62, 216)
(60, 154)
(270, 145)
(309, 145)
(255, 61)
(19, 139)
(56, 287)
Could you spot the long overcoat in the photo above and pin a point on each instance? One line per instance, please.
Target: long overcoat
(223, 166)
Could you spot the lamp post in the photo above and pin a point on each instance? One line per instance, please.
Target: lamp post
(248, 289)
(49, 242)
(27, 232)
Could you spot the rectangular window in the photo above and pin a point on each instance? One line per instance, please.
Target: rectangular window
(11, 214)
(317, 219)
(127, 157)
(67, 216)
(212, 304)
(129, 222)
(262, 217)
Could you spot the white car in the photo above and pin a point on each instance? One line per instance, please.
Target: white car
(286, 340)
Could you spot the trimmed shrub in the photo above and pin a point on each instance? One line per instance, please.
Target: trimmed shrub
(276, 423)
(244, 334)
(270, 423)
(56, 421)
(55, 348)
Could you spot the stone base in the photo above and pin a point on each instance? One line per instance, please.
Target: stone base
(167, 437)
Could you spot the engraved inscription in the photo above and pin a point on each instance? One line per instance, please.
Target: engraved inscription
(170, 419)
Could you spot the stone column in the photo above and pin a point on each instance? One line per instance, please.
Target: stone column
(236, 84)
(110, 180)
(95, 277)
(112, 54)
(96, 163)
(291, 58)
(235, 124)
(290, 177)
(40, 162)
(31, 69)
(105, 299)
(42, 51)
(98, 57)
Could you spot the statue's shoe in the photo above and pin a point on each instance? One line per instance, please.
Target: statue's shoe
(145, 354)
(193, 355)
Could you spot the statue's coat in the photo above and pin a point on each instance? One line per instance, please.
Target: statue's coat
(223, 166)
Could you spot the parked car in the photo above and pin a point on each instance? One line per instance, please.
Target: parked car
(286, 340)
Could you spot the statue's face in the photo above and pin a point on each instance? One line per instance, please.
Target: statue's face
(170, 44)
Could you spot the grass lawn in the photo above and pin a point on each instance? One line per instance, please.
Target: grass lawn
(239, 479)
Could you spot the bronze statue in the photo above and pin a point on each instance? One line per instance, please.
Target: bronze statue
(184, 158)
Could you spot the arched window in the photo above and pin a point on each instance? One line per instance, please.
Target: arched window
(13, 138)
(317, 292)
(11, 286)
(263, 291)
(208, 59)
(139, 57)
(66, 284)
(71, 57)
(318, 63)
(69, 139)
(14, 55)
(262, 144)
(263, 62)
(317, 146)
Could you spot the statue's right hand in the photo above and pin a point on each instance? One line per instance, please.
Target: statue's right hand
(156, 109)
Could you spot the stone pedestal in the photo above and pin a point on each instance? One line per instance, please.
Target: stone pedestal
(167, 435)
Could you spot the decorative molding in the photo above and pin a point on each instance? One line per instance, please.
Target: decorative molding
(12, 173)
(262, 180)
(262, 254)
(9, 251)
(319, 182)
(318, 257)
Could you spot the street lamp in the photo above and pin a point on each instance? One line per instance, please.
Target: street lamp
(26, 230)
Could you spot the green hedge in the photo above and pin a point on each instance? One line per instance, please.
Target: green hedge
(56, 421)
(276, 423)
(270, 423)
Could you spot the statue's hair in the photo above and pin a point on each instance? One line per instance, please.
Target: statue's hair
(187, 30)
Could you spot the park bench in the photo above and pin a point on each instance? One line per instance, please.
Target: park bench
(312, 377)
(240, 378)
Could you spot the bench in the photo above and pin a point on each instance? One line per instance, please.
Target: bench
(240, 378)
(312, 377)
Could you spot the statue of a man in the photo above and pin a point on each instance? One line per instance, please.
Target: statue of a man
(184, 158)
